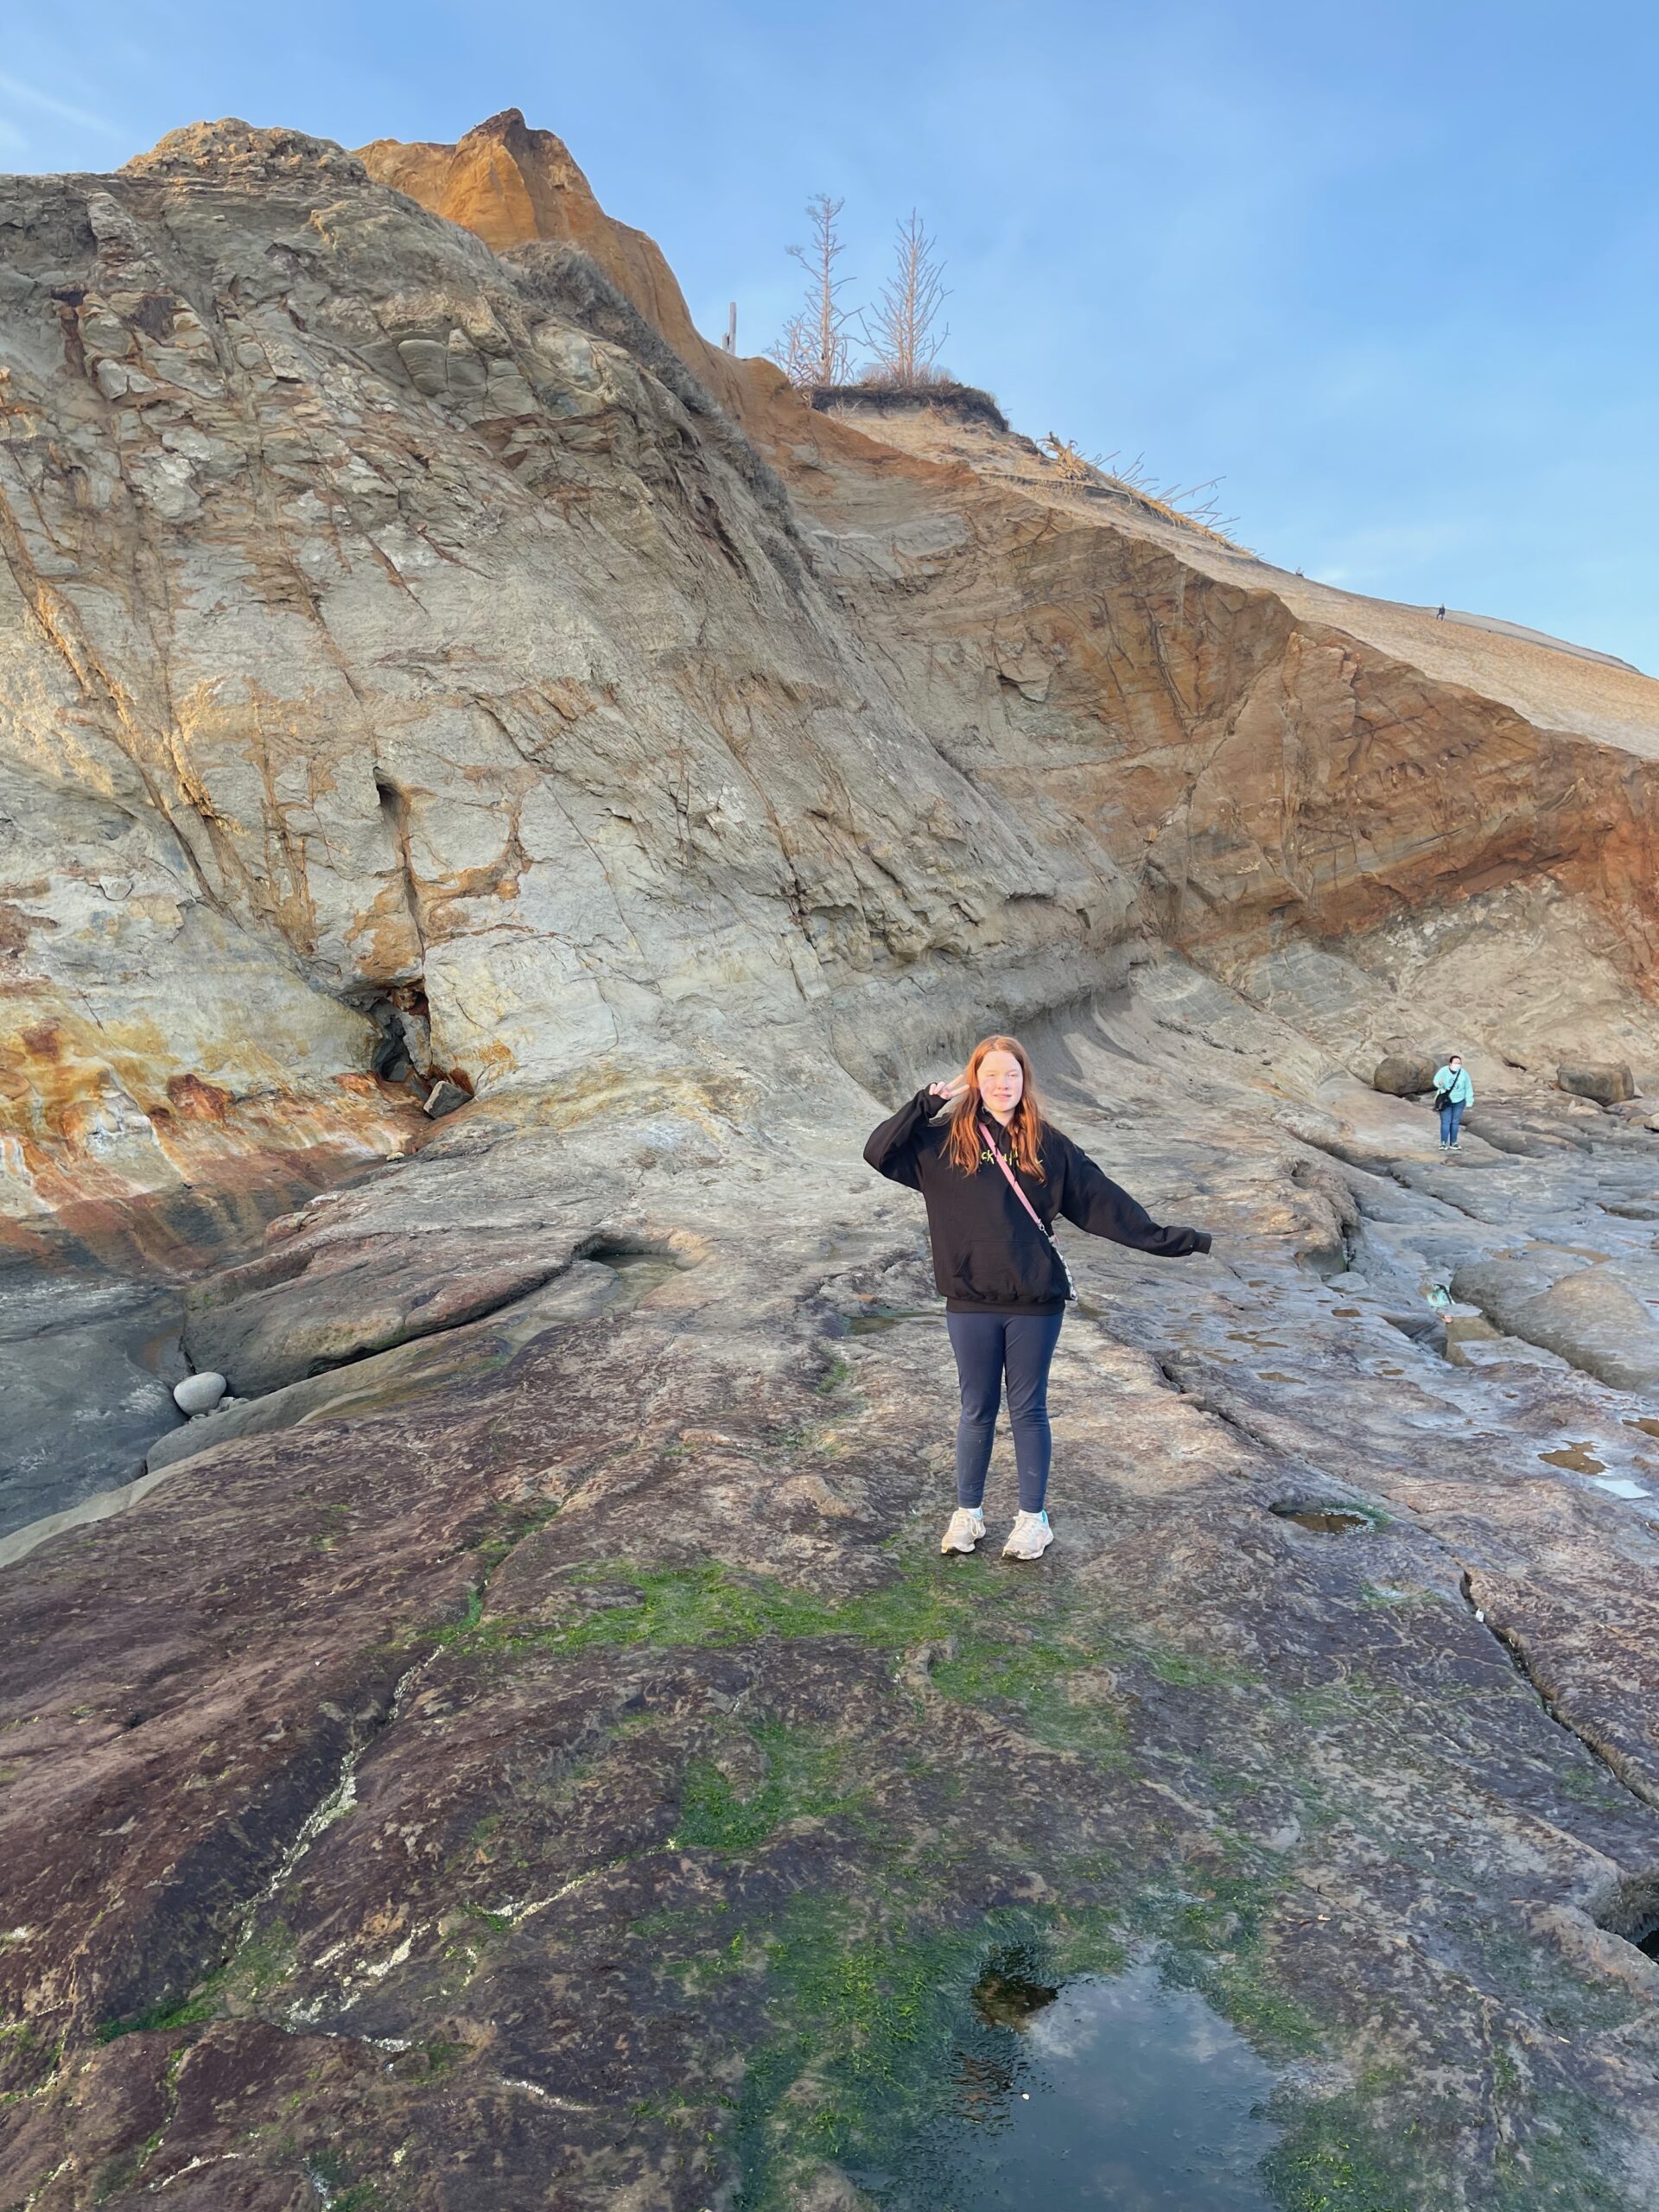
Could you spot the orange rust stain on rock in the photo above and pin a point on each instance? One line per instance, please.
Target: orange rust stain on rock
(198, 1101)
(14, 927)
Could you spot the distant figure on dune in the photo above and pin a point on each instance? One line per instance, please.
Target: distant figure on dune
(1439, 613)
(994, 1175)
(1453, 1095)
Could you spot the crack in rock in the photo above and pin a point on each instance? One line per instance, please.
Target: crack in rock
(1514, 1647)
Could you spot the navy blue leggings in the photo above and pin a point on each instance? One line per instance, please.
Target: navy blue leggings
(1451, 1120)
(987, 1345)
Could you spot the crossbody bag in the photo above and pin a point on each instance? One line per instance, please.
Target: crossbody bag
(1014, 1184)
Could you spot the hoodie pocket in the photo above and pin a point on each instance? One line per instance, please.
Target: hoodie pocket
(1025, 1272)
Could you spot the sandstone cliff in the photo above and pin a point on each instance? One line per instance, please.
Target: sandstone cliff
(513, 186)
(398, 636)
(1268, 764)
(389, 623)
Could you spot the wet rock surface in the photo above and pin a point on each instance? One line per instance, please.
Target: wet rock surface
(582, 1780)
(92, 1312)
(87, 1362)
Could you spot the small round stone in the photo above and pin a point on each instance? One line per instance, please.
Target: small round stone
(199, 1394)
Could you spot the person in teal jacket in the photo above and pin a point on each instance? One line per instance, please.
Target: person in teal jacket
(1453, 1095)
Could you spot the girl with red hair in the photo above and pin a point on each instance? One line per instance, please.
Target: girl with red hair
(994, 1174)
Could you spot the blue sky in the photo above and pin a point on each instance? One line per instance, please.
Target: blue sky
(1389, 270)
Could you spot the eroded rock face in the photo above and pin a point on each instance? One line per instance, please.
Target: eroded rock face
(406, 1257)
(391, 620)
(511, 186)
(375, 625)
(1593, 1316)
(1257, 773)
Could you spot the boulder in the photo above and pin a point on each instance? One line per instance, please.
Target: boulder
(444, 1097)
(199, 1394)
(1404, 1075)
(1607, 1082)
(1589, 1316)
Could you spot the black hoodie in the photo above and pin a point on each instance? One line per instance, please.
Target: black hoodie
(989, 1255)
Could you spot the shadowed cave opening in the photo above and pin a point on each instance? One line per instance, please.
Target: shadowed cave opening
(398, 1006)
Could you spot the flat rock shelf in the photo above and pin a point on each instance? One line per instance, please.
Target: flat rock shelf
(569, 1765)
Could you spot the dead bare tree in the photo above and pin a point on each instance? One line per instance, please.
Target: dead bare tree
(813, 348)
(1194, 503)
(1071, 465)
(903, 328)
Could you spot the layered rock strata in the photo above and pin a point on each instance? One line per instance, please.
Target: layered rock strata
(406, 658)
(400, 639)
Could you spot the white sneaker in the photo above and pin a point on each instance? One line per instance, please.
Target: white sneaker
(967, 1528)
(1030, 1537)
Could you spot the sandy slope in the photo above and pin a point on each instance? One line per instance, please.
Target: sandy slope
(1556, 684)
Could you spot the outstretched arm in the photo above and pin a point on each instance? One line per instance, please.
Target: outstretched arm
(1105, 1209)
(892, 1149)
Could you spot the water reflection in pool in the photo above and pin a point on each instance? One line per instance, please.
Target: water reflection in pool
(1118, 2093)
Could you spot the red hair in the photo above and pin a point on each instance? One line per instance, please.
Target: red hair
(1025, 1124)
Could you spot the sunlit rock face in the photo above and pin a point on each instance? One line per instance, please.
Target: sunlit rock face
(396, 629)
(1272, 763)
(512, 186)
(373, 626)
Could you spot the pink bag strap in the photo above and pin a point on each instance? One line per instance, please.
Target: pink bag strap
(1013, 1183)
(1013, 1187)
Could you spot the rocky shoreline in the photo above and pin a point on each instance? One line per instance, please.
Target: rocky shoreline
(525, 1746)
(93, 1302)
(585, 1775)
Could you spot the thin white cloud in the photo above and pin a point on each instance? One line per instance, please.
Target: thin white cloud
(31, 96)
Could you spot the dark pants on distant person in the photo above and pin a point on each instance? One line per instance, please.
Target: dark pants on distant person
(1451, 1121)
(988, 1346)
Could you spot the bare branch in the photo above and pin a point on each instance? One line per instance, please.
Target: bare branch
(813, 348)
(794, 351)
(902, 328)
(1195, 505)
